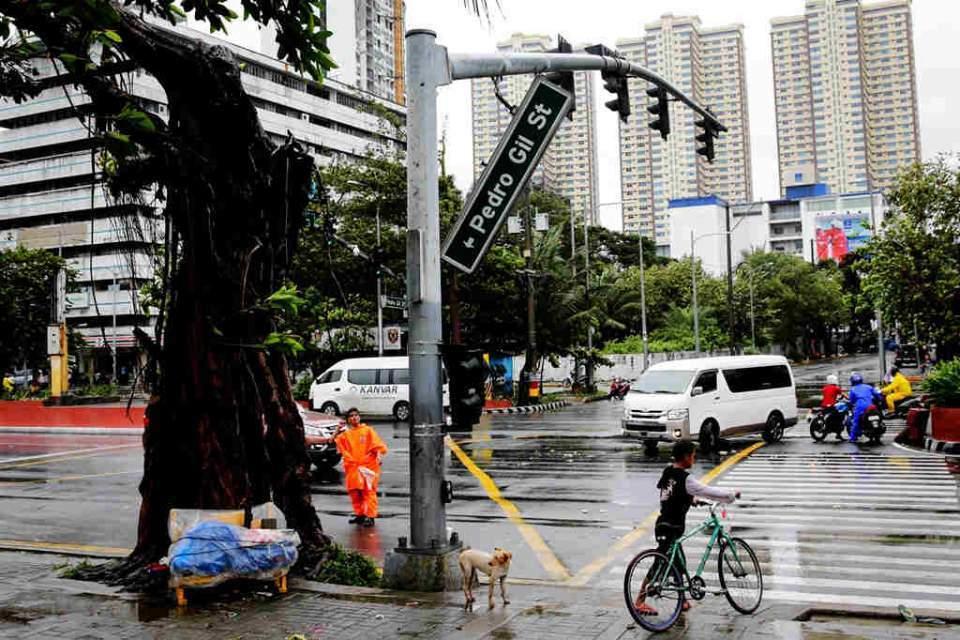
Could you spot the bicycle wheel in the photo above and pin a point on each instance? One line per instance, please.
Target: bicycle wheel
(740, 576)
(651, 580)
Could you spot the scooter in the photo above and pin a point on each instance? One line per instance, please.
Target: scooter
(618, 389)
(827, 420)
(872, 426)
(901, 408)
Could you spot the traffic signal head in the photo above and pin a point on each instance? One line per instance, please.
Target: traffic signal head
(613, 82)
(661, 110)
(706, 139)
(564, 79)
(468, 377)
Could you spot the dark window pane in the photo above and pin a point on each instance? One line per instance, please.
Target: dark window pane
(757, 378)
(330, 376)
(400, 376)
(362, 376)
(707, 381)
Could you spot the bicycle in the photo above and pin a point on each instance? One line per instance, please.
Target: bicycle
(665, 589)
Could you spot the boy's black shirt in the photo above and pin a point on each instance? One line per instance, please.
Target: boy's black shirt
(674, 499)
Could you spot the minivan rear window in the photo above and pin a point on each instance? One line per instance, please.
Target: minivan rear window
(757, 378)
(399, 376)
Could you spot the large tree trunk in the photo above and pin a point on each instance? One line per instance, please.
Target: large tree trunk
(223, 430)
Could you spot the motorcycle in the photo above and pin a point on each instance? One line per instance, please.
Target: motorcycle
(827, 420)
(618, 389)
(901, 408)
(872, 426)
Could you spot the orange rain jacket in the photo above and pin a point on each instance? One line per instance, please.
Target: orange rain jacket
(359, 447)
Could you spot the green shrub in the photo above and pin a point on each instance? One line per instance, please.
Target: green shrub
(349, 567)
(943, 384)
(301, 390)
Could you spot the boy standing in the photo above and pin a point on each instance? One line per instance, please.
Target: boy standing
(677, 491)
(362, 451)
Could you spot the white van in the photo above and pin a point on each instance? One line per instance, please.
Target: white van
(706, 398)
(377, 386)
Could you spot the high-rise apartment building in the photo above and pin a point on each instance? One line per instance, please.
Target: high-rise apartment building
(367, 44)
(708, 65)
(846, 94)
(569, 165)
(52, 192)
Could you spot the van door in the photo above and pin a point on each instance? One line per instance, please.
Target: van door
(703, 406)
(328, 388)
(358, 392)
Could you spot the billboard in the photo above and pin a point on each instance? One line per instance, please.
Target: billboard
(837, 234)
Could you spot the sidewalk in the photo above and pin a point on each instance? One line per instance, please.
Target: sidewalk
(37, 605)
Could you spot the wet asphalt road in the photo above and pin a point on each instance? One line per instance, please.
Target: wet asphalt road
(569, 493)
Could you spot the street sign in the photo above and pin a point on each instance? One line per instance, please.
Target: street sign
(393, 302)
(391, 339)
(542, 222)
(507, 173)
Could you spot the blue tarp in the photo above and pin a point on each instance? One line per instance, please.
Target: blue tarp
(211, 548)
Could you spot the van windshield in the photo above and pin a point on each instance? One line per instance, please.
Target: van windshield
(663, 382)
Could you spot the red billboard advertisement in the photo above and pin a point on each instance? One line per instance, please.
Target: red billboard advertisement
(840, 233)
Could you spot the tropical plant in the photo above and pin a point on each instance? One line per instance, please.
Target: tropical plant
(942, 384)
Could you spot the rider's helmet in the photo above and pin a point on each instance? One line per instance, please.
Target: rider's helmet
(856, 379)
(832, 379)
(894, 370)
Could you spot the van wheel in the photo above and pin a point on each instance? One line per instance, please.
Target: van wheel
(401, 411)
(773, 432)
(330, 408)
(709, 436)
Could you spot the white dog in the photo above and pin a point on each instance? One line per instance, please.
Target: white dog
(495, 565)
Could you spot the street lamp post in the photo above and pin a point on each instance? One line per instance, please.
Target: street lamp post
(643, 287)
(693, 274)
(113, 306)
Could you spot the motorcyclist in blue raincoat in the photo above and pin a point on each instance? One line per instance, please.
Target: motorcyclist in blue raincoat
(862, 396)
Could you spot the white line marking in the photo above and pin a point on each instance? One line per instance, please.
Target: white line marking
(856, 599)
(44, 456)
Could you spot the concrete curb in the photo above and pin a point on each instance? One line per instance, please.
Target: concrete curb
(534, 408)
(79, 431)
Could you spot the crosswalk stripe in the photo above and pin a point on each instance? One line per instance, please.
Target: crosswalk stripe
(895, 587)
(907, 504)
(839, 598)
(809, 517)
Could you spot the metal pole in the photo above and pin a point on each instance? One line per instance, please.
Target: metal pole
(696, 315)
(753, 330)
(573, 245)
(881, 355)
(114, 307)
(379, 290)
(425, 71)
(531, 299)
(733, 337)
(643, 304)
(586, 266)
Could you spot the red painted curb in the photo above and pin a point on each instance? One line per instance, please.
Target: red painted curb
(32, 413)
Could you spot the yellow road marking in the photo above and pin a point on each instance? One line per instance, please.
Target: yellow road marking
(64, 547)
(595, 566)
(67, 456)
(547, 558)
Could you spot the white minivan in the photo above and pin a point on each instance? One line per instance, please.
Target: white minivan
(377, 386)
(707, 398)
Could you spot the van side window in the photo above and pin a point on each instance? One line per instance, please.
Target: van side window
(757, 378)
(330, 376)
(399, 376)
(708, 381)
(362, 376)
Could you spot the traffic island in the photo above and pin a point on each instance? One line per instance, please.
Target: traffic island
(427, 570)
(530, 408)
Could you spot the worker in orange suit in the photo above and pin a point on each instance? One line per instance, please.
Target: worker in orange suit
(362, 451)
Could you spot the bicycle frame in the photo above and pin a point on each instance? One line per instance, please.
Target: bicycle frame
(716, 529)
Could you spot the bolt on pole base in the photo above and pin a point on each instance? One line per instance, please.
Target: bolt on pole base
(433, 569)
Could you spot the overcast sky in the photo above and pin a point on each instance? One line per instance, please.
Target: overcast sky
(935, 40)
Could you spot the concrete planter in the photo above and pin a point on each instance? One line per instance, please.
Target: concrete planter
(945, 424)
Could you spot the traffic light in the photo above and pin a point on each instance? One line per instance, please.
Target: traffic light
(661, 110)
(564, 79)
(613, 82)
(706, 138)
(468, 377)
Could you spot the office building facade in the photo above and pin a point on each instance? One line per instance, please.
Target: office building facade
(52, 194)
(846, 94)
(569, 165)
(708, 65)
